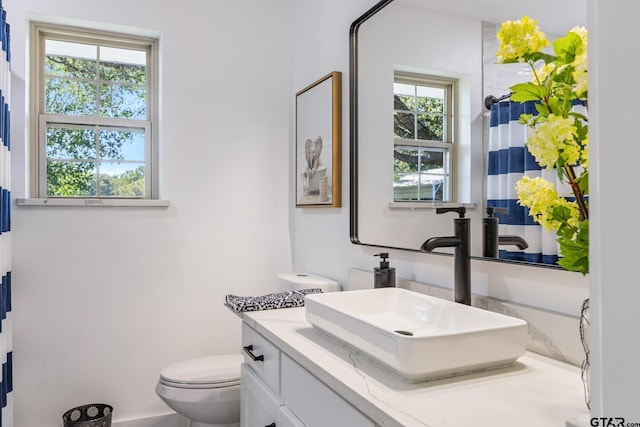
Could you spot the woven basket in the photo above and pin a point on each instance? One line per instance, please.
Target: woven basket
(92, 415)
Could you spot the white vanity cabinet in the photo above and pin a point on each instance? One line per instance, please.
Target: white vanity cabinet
(260, 407)
(278, 392)
(288, 419)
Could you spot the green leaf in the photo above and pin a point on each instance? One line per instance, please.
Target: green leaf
(583, 182)
(567, 47)
(575, 263)
(561, 214)
(564, 78)
(582, 130)
(574, 248)
(523, 92)
(534, 57)
(556, 106)
(543, 110)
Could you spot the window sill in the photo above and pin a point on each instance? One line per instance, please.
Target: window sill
(429, 205)
(95, 203)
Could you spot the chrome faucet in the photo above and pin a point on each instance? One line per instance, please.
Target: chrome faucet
(462, 253)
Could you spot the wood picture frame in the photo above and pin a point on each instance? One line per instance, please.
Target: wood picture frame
(318, 146)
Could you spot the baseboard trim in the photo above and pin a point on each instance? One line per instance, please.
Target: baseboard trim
(166, 420)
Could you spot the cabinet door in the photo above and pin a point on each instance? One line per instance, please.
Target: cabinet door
(262, 356)
(258, 406)
(287, 419)
(313, 402)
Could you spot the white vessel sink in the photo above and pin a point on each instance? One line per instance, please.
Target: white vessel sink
(417, 336)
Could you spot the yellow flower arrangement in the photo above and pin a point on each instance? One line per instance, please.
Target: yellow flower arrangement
(518, 39)
(550, 210)
(559, 136)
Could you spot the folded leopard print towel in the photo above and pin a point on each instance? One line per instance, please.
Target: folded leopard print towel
(286, 299)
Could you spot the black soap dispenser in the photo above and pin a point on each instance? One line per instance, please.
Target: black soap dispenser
(492, 240)
(490, 233)
(384, 276)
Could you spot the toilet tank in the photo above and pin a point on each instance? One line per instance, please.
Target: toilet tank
(298, 281)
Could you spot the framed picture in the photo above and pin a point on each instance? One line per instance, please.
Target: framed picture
(318, 143)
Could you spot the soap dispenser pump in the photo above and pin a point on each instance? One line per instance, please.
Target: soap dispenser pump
(384, 276)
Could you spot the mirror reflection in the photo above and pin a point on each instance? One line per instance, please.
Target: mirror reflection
(420, 131)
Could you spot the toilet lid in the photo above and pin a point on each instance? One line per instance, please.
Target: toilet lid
(211, 370)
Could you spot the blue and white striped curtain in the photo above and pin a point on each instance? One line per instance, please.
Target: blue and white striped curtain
(509, 160)
(6, 381)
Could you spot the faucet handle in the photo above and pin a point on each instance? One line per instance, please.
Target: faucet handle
(461, 210)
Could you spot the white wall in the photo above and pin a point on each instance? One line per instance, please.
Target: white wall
(104, 298)
(615, 286)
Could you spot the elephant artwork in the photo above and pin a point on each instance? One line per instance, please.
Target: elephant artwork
(315, 175)
(317, 147)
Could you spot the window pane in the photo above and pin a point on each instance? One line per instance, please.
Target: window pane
(70, 97)
(431, 160)
(71, 179)
(404, 89)
(430, 92)
(70, 142)
(67, 59)
(402, 102)
(418, 186)
(430, 105)
(124, 56)
(123, 65)
(405, 159)
(430, 127)
(122, 145)
(120, 101)
(419, 174)
(404, 125)
(431, 187)
(121, 179)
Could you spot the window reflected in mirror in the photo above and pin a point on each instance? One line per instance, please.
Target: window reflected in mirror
(423, 117)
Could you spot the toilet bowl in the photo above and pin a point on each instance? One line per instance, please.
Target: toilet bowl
(205, 390)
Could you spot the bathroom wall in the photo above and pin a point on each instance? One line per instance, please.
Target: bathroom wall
(105, 297)
(614, 150)
(320, 237)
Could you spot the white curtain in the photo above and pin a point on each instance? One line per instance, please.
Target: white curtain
(6, 355)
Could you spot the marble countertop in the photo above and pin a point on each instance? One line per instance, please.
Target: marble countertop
(534, 392)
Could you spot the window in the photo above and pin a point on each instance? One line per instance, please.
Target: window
(424, 138)
(94, 114)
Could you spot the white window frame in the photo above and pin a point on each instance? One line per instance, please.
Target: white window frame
(40, 32)
(448, 146)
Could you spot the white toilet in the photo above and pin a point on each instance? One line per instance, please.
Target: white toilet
(206, 390)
